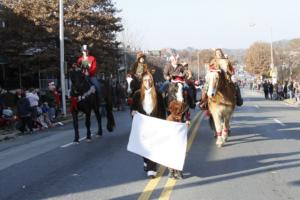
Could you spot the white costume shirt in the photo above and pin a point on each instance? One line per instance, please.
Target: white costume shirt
(147, 103)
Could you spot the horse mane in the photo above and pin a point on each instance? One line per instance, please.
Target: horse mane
(84, 85)
(226, 90)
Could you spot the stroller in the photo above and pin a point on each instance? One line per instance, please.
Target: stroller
(7, 119)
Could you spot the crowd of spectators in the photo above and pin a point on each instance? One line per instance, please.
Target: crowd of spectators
(30, 109)
(278, 91)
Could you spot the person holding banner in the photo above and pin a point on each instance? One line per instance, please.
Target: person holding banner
(148, 101)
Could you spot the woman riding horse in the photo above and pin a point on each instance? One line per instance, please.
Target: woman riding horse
(134, 77)
(221, 95)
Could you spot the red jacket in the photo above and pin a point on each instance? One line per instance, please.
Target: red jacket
(93, 67)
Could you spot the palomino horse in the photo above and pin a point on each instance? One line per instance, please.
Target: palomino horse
(84, 98)
(221, 103)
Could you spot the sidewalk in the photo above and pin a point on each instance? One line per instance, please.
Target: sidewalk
(292, 102)
(13, 133)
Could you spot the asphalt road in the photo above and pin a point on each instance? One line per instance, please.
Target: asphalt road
(260, 161)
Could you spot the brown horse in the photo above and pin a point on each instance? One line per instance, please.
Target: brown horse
(221, 103)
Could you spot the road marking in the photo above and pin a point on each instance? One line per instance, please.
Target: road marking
(279, 122)
(152, 184)
(193, 135)
(256, 106)
(149, 188)
(166, 193)
(71, 143)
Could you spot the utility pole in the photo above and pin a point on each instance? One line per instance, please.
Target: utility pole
(198, 61)
(272, 67)
(62, 55)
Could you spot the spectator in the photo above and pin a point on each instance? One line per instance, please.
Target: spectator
(33, 98)
(291, 89)
(46, 114)
(52, 98)
(271, 89)
(40, 118)
(266, 89)
(285, 89)
(280, 92)
(24, 113)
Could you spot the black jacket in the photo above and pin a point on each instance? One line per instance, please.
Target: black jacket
(137, 105)
(23, 107)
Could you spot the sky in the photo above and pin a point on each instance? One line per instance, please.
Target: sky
(201, 24)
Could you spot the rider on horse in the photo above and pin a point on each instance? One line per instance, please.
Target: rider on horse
(139, 67)
(135, 75)
(174, 67)
(88, 65)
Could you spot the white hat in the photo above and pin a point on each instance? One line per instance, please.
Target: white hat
(84, 47)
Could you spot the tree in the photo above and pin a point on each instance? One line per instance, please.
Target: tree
(257, 59)
(35, 23)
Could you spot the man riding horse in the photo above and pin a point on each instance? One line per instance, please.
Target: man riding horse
(86, 94)
(89, 67)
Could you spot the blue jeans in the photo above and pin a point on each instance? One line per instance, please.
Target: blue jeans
(164, 86)
(97, 85)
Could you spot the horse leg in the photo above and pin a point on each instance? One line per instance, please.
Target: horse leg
(98, 117)
(75, 125)
(88, 125)
(212, 125)
(218, 126)
(226, 126)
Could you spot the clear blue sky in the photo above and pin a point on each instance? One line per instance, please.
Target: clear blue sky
(209, 23)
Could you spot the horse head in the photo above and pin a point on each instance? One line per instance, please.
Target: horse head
(79, 82)
(221, 88)
(212, 78)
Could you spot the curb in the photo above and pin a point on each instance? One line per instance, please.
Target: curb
(14, 133)
(291, 102)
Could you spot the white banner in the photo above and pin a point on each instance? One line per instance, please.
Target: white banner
(161, 141)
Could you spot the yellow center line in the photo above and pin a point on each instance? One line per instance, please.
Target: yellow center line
(166, 193)
(152, 184)
(149, 188)
(193, 135)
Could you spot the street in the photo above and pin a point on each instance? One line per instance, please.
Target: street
(260, 161)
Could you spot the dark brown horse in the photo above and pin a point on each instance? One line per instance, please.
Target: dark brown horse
(84, 98)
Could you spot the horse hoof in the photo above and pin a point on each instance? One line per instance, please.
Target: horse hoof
(225, 138)
(75, 142)
(88, 140)
(98, 135)
(219, 141)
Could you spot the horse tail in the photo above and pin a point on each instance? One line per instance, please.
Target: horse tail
(110, 120)
(212, 123)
